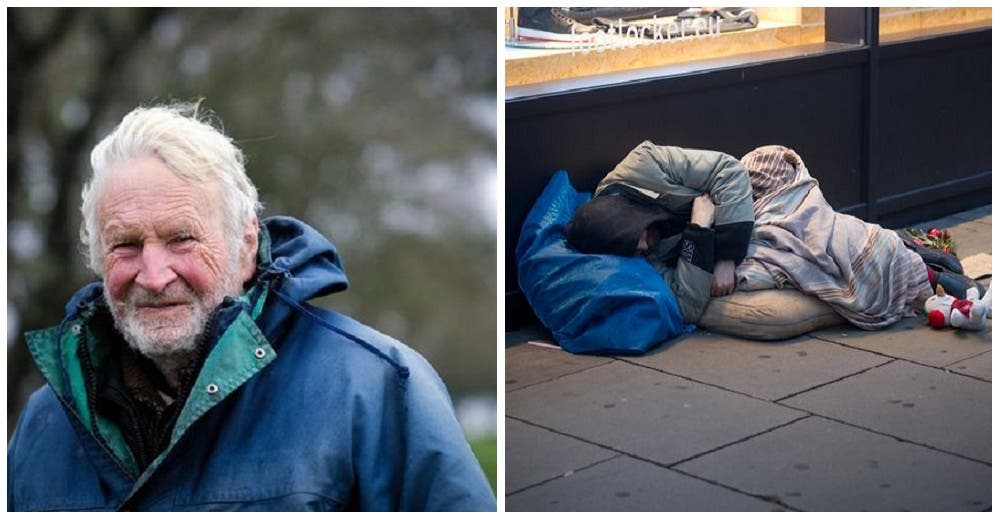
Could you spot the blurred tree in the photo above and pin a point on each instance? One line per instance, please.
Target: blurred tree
(377, 126)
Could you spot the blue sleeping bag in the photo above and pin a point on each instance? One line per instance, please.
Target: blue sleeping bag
(593, 304)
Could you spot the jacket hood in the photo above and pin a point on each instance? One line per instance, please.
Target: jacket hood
(307, 263)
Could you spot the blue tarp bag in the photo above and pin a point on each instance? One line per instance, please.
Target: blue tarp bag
(593, 304)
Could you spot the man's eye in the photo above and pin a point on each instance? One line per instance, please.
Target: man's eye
(124, 246)
(180, 239)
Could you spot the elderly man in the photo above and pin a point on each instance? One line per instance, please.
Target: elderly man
(196, 376)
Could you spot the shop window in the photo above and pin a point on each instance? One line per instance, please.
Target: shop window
(900, 23)
(609, 45)
(682, 37)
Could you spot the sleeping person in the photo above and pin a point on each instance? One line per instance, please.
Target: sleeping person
(711, 224)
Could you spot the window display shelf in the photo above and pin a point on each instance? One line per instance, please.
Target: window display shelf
(896, 23)
(778, 28)
(634, 75)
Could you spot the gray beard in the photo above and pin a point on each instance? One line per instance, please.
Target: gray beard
(169, 345)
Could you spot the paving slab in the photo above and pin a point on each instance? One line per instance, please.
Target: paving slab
(530, 364)
(769, 370)
(979, 266)
(820, 465)
(913, 402)
(538, 455)
(971, 238)
(643, 412)
(912, 339)
(627, 484)
(535, 332)
(980, 366)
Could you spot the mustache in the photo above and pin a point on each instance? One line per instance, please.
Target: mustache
(174, 294)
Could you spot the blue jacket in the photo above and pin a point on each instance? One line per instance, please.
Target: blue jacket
(295, 408)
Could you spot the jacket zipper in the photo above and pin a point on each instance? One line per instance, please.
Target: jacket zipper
(187, 383)
(185, 386)
(84, 355)
(135, 422)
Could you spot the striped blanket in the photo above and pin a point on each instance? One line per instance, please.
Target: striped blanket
(864, 272)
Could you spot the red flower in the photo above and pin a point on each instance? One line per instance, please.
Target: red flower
(936, 233)
(918, 241)
(946, 249)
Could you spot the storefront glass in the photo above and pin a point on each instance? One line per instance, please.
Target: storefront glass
(549, 45)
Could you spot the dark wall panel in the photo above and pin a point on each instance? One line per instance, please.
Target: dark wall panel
(934, 125)
(921, 111)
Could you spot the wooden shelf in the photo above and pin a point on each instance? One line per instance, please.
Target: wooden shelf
(779, 27)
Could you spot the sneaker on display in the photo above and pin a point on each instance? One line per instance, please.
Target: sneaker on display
(551, 24)
(697, 20)
(606, 15)
(728, 18)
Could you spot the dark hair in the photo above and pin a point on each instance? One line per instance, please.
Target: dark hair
(612, 225)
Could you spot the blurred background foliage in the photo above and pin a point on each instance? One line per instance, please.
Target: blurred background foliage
(376, 126)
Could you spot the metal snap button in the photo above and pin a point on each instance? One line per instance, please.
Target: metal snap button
(259, 353)
(212, 388)
(77, 329)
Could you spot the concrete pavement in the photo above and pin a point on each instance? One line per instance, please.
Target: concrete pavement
(838, 419)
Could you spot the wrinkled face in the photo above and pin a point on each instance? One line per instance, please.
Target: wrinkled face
(167, 260)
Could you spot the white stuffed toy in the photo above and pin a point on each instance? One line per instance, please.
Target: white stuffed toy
(969, 314)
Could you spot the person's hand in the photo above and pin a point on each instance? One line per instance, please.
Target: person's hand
(725, 278)
(703, 211)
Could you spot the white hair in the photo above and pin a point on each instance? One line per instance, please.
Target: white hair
(183, 137)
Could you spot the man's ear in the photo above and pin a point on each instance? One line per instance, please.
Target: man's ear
(248, 251)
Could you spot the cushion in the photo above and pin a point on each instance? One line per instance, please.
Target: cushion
(593, 304)
(768, 314)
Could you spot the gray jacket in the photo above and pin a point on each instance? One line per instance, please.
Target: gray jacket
(672, 177)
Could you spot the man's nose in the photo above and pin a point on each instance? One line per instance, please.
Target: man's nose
(156, 272)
